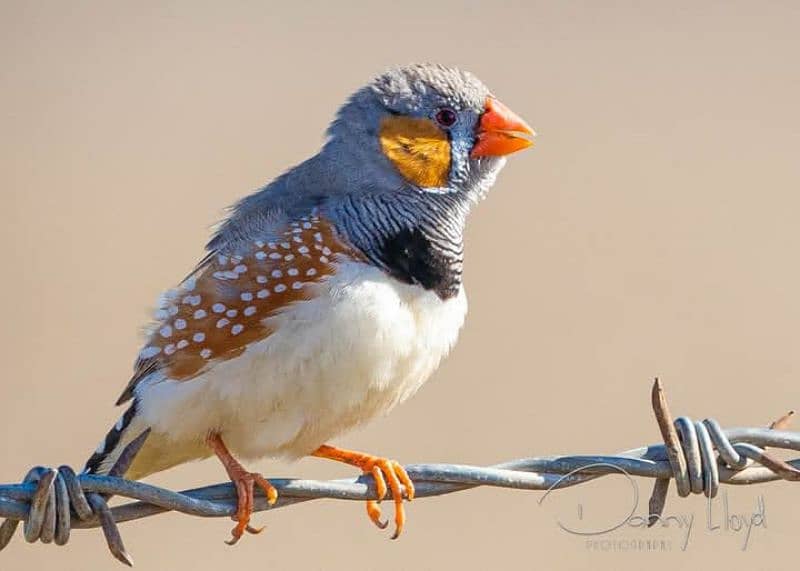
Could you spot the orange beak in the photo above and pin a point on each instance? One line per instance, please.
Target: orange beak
(501, 131)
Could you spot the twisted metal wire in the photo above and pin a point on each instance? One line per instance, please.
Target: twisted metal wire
(699, 456)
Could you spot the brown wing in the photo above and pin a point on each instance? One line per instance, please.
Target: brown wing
(220, 309)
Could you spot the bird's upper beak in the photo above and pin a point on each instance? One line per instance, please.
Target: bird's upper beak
(501, 131)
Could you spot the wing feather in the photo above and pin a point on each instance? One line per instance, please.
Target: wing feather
(223, 306)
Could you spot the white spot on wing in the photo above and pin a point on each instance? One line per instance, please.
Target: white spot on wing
(149, 352)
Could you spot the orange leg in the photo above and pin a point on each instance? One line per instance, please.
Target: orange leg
(383, 471)
(245, 483)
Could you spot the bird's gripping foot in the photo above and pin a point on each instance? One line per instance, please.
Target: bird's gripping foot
(385, 472)
(245, 483)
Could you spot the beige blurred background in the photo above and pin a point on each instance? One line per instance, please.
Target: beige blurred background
(652, 231)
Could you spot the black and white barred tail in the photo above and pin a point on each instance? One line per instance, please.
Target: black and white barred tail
(107, 453)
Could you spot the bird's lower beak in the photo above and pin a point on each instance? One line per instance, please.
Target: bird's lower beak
(501, 131)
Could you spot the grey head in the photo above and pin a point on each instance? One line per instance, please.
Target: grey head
(447, 99)
(405, 157)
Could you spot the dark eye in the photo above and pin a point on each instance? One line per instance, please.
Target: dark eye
(446, 117)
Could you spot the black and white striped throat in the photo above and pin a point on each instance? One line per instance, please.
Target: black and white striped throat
(417, 239)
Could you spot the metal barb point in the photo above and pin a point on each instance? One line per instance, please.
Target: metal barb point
(699, 455)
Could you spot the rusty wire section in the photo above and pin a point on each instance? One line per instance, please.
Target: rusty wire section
(699, 456)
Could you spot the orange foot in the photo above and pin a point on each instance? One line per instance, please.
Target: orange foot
(245, 483)
(382, 470)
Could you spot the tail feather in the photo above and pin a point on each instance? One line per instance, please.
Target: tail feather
(113, 444)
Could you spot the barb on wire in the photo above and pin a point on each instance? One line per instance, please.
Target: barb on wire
(699, 456)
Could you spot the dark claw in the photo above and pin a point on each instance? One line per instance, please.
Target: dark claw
(234, 538)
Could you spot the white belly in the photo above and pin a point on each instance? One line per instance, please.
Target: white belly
(362, 346)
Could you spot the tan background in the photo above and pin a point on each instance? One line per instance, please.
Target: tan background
(653, 231)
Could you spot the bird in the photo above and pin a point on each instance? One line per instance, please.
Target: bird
(325, 298)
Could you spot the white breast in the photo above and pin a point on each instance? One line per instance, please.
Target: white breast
(364, 344)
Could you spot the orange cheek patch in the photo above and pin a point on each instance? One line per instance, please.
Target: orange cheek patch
(418, 149)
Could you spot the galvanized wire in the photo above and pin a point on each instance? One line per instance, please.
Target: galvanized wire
(698, 455)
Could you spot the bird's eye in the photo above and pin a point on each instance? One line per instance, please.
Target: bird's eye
(446, 117)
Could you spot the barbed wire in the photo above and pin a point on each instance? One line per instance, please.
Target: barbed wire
(699, 456)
